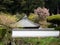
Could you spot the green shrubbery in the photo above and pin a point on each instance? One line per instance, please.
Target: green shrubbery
(33, 17)
(2, 32)
(57, 28)
(55, 21)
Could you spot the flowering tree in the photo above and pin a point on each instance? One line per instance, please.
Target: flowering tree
(42, 13)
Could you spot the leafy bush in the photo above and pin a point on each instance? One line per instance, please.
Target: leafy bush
(7, 19)
(55, 19)
(2, 32)
(51, 26)
(20, 16)
(33, 17)
(57, 28)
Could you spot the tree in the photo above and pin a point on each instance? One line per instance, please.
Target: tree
(52, 5)
(33, 4)
(43, 13)
(20, 6)
(5, 28)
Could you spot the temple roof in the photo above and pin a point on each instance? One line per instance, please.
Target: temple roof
(25, 22)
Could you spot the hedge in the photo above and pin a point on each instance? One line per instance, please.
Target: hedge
(54, 19)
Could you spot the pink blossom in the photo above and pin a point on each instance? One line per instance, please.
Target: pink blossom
(42, 12)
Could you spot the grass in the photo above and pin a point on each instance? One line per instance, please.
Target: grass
(41, 41)
(38, 41)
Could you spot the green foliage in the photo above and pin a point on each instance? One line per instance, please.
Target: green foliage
(51, 26)
(33, 17)
(19, 16)
(26, 6)
(40, 41)
(34, 4)
(54, 19)
(2, 32)
(53, 5)
(57, 28)
(1, 43)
